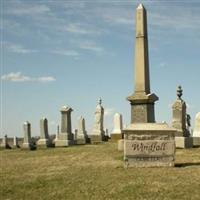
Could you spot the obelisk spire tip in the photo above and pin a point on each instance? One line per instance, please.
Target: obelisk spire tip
(140, 6)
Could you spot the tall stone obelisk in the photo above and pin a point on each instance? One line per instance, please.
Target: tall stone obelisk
(142, 100)
(146, 143)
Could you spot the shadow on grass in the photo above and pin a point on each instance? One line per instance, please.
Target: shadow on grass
(187, 164)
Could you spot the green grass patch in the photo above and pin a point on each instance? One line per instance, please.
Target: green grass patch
(94, 172)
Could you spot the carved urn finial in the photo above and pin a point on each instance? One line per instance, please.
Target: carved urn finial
(100, 101)
(179, 92)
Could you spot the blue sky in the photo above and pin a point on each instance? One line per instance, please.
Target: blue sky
(56, 53)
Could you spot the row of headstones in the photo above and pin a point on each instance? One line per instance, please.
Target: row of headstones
(65, 137)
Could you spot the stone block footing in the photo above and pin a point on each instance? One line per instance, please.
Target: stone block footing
(95, 139)
(196, 141)
(184, 142)
(121, 145)
(63, 143)
(43, 143)
(116, 137)
(80, 141)
(134, 162)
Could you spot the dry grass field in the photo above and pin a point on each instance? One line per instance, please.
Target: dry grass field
(94, 172)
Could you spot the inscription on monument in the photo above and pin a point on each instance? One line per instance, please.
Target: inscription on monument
(149, 148)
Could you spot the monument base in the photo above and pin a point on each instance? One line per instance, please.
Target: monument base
(26, 146)
(43, 143)
(116, 136)
(63, 143)
(80, 141)
(15, 147)
(196, 141)
(95, 139)
(184, 142)
(120, 145)
(149, 145)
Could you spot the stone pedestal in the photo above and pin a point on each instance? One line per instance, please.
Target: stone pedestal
(44, 141)
(98, 133)
(149, 145)
(117, 133)
(65, 137)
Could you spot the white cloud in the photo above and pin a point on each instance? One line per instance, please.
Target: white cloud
(46, 79)
(66, 52)
(109, 111)
(90, 45)
(19, 77)
(20, 8)
(16, 48)
(78, 28)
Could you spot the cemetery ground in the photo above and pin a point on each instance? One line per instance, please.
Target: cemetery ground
(95, 172)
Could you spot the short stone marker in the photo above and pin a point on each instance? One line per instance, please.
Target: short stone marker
(98, 133)
(117, 133)
(182, 137)
(81, 132)
(27, 144)
(65, 137)
(44, 141)
(4, 144)
(15, 142)
(196, 132)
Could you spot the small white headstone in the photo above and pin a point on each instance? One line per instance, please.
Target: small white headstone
(117, 124)
(196, 132)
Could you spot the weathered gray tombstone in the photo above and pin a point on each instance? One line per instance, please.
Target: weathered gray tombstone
(146, 143)
(65, 137)
(57, 135)
(44, 141)
(117, 133)
(179, 122)
(15, 142)
(98, 133)
(196, 132)
(4, 144)
(107, 136)
(81, 132)
(27, 144)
